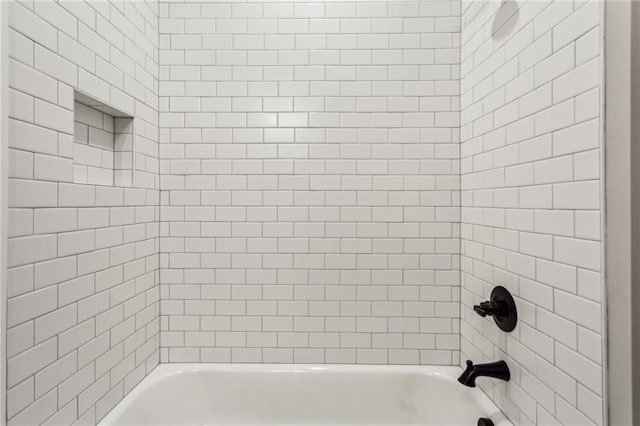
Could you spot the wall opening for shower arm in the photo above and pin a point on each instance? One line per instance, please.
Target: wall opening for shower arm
(103, 143)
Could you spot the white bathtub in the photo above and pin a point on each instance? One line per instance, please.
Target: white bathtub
(218, 394)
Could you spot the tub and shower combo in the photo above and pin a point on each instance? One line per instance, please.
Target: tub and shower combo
(263, 394)
(294, 212)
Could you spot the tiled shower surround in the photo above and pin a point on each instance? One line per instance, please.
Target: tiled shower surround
(309, 161)
(531, 202)
(83, 293)
(313, 182)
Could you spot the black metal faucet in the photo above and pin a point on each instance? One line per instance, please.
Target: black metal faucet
(501, 307)
(497, 370)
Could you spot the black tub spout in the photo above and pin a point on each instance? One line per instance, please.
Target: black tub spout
(497, 370)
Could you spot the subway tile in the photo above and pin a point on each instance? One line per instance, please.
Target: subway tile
(306, 137)
(69, 38)
(556, 127)
(30, 361)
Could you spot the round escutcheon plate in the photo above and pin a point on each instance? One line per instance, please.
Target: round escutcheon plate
(507, 321)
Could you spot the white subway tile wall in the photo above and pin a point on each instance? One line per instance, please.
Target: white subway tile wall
(309, 158)
(326, 181)
(531, 202)
(83, 293)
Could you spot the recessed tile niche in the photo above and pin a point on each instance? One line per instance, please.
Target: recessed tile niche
(103, 143)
